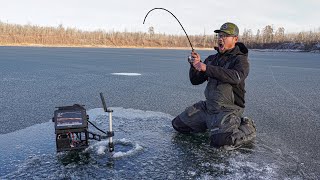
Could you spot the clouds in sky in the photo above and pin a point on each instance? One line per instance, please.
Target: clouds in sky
(197, 17)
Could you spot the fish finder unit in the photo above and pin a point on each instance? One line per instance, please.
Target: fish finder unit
(71, 128)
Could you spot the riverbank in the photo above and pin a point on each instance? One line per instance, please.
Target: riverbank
(286, 47)
(99, 46)
(285, 50)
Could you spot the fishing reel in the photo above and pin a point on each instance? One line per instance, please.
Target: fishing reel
(71, 128)
(190, 59)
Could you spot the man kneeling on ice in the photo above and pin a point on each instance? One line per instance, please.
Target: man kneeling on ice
(222, 110)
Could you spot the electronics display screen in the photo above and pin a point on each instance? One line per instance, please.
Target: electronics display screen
(69, 118)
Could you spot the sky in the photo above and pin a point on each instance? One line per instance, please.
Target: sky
(196, 16)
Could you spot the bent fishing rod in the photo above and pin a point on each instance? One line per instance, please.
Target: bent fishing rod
(174, 17)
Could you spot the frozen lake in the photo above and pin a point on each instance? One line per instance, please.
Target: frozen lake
(147, 88)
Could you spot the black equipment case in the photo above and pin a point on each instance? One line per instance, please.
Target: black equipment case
(71, 128)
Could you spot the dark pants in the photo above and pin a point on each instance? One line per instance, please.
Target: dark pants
(225, 125)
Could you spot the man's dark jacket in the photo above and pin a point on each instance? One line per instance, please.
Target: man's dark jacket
(230, 67)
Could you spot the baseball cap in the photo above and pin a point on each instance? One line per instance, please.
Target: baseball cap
(228, 28)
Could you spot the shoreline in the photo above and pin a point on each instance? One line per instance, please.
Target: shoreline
(99, 46)
(147, 47)
(285, 50)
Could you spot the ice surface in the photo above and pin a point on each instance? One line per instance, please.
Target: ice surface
(35, 80)
(126, 114)
(146, 147)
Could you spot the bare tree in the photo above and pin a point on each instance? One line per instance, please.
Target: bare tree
(279, 35)
(257, 39)
(247, 36)
(267, 35)
(151, 30)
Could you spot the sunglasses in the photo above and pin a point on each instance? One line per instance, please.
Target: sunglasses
(224, 36)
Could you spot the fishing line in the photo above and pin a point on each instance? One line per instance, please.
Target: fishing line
(174, 17)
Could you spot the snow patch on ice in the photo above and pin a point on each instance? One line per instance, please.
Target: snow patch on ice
(136, 148)
(126, 74)
(101, 148)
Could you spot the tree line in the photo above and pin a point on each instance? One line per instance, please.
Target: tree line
(268, 37)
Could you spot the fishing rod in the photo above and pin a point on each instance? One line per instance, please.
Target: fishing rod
(176, 19)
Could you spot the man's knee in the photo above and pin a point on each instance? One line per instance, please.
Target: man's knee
(234, 135)
(220, 139)
(180, 126)
(221, 134)
(247, 132)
